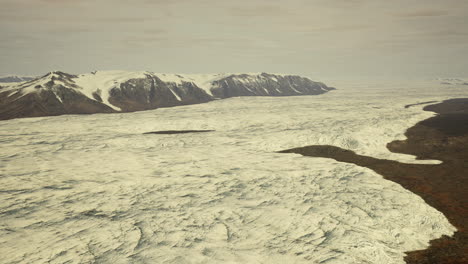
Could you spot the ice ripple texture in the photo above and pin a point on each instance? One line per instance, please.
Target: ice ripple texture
(94, 189)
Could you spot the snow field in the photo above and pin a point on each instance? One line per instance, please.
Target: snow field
(94, 188)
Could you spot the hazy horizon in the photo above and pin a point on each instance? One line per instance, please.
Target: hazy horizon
(326, 39)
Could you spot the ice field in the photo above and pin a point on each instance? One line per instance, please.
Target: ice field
(94, 189)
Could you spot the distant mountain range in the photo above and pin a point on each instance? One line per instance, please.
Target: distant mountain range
(13, 79)
(58, 93)
(453, 81)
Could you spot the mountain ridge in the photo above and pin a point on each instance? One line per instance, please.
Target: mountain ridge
(15, 78)
(57, 93)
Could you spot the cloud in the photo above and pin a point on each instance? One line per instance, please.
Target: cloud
(296, 29)
(55, 2)
(338, 28)
(259, 10)
(424, 13)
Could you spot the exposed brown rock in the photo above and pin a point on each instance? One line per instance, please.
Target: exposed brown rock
(443, 186)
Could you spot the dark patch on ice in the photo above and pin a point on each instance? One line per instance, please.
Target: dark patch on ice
(55, 187)
(95, 213)
(170, 132)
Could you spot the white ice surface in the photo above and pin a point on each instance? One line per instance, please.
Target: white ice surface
(94, 188)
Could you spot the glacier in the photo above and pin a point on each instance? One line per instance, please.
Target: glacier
(94, 188)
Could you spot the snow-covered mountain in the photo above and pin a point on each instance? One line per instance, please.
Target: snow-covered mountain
(59, 93)
(13, 79)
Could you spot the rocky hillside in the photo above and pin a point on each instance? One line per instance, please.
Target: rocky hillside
(58, 93)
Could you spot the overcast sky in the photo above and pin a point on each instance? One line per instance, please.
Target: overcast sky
(323, 38)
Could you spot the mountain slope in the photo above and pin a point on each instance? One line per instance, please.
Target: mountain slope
(266, 85)
(58, 93)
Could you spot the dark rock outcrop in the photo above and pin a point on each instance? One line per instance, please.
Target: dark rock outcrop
(151, 92)
(266, 85)
(47, 103)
